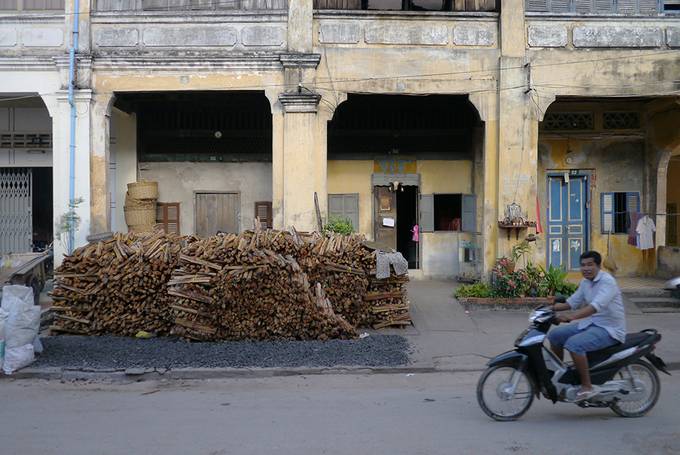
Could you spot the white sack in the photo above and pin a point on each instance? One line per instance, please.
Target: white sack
(22, 326)
(16, 295)
(17, 358)
(3, 320)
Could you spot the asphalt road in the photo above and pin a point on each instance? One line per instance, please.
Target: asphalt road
(342, 414)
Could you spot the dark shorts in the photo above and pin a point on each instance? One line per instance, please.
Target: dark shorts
(580, 341)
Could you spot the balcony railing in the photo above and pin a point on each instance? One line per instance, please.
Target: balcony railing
(189, 5)
(409, 5)
(605, 7)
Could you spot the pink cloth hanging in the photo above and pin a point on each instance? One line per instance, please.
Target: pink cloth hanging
(416, 233)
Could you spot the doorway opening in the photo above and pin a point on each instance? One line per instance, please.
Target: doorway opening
(407, 218)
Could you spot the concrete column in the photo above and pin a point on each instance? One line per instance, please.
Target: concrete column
(487, 107)
(277, 159)
(300, 25)
(302, 163)
(517, 123)
(60, 111)
(100, 140)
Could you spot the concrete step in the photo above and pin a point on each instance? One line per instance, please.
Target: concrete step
(655, 301)
(646, 292)
(661, 310)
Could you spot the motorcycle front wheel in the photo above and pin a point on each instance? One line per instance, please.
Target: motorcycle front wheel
(496, 396)
(645, 385)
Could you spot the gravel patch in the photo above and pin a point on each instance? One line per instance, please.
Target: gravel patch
(108, 352)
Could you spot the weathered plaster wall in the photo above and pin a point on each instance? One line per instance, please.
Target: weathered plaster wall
(440, 249)
(668, 262)
(124, 157)
(354, 176)
(616, 165)
(177, 182)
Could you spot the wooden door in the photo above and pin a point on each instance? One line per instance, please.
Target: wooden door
(567, 220)
(217, 212)
(385, 217)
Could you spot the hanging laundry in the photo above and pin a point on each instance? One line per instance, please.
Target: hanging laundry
(633, 218)
(645, 229)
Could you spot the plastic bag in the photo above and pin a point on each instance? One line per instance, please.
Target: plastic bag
(17, 358)
(16, 295)
(22, 326)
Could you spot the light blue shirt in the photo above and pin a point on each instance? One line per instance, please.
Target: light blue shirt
(603, 294)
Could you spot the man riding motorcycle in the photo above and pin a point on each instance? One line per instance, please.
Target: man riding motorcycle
(598, 305)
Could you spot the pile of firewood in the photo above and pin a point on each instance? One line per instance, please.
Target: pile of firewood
(234, 287)
(261, 284)
(117, 286)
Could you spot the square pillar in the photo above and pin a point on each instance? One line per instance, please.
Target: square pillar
(299, 169)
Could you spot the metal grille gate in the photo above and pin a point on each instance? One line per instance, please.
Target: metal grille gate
(16, 210)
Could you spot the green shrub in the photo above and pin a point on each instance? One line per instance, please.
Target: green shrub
(339, 226)
(473, 290)
(556, 282)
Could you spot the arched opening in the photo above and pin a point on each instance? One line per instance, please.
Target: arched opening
(26, 184)
(210, 153)
(397, 162)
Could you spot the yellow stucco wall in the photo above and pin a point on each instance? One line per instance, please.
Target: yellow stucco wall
(614, 165)
(441, 176)
(354, 177)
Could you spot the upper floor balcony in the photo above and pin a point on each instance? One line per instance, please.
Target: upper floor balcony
(604, 7)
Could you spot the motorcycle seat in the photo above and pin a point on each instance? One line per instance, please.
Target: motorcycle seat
(632, 339)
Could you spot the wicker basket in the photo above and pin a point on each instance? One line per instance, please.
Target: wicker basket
(136, 216)
(139, 203)
(143, 190)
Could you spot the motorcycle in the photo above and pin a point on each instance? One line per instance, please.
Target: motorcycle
(626, 382)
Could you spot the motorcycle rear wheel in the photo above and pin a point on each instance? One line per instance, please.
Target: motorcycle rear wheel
(494, 398)
(646, 374)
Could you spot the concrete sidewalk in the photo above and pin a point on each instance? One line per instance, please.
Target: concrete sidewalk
(447, 337)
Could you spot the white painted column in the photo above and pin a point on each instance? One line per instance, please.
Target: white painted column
(60, 111)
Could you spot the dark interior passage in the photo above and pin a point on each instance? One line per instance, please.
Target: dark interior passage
(42, 207)
(407, 218)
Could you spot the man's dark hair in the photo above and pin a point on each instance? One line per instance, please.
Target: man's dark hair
(592, 254)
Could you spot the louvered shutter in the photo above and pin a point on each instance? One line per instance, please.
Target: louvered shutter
(263, 211)
(583, 6)
(627, 7)
(632, 205)
(560, 6)
(650, 7)
(344, 206)
(427, 212)
(605, 6)
(606, 212)
(537, 5)
(469, 205)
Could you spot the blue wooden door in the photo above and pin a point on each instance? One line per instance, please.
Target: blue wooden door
(567, 220)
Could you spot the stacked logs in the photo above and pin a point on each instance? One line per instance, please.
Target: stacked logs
(117, 286)
(228, 287)
(260, 284)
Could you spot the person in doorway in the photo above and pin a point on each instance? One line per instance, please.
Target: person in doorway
(598, 305)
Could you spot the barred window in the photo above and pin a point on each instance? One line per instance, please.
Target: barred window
(568, 121)
(621, 120)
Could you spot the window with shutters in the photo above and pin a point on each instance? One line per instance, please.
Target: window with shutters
(263, 211)
(344, 206)
(167, 216)
(616, 210)
(448, 212)
(31, 5)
